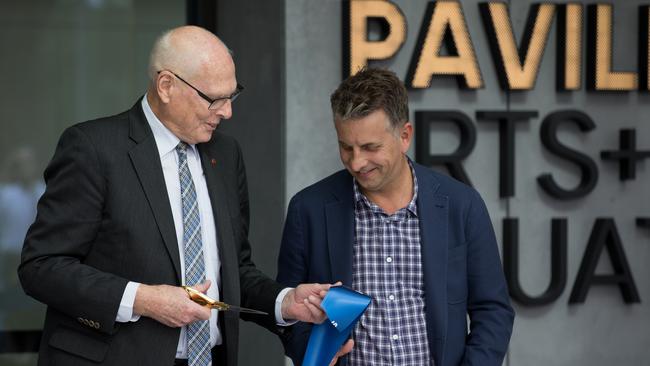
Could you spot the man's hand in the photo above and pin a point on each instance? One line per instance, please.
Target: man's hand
(170, 305)
(344, 350)
(303, 303)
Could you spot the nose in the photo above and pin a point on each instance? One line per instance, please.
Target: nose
(357, 161)
(225, 111)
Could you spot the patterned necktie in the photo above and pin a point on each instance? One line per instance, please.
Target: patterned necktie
(198, 333)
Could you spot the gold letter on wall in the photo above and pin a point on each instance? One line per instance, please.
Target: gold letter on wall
(599, 60)
(569, 50)
(644, 48)
(517, 68)
(427, 61)
(357, 49)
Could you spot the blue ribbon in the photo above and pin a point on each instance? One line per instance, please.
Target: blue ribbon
(343, 307)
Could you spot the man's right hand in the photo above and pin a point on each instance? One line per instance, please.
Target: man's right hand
(170, 305)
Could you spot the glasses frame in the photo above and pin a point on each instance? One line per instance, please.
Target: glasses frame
(213, 102)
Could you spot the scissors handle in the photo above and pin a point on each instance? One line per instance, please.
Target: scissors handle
(205, 300)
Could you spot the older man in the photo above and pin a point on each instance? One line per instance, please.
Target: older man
(141, 202)
(420, 243)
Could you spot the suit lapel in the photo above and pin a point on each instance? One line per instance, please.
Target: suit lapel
(433, 212)
(339, 216)
(144, 157)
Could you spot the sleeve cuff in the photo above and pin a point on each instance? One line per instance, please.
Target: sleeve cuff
(278, 309)
(125, 312)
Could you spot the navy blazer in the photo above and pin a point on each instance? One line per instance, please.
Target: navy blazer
(462, 270)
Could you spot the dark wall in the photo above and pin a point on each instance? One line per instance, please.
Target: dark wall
(254, 31)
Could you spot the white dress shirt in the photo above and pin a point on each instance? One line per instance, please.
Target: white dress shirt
(166, 142)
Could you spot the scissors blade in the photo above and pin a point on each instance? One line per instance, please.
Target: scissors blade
(245, 310)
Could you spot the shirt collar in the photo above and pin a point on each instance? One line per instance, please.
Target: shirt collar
(166, 141)
(412, 206)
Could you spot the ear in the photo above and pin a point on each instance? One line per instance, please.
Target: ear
(405, 136)
(164, 86)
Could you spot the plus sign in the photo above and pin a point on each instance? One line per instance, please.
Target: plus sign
(643, 222)
(627, 154)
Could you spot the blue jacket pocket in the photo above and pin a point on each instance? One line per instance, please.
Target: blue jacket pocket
(457, 274)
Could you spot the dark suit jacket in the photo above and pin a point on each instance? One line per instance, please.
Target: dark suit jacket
(462, 269)
(105, 219)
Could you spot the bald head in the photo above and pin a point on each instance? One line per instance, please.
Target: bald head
(190, 68)
(189, 50)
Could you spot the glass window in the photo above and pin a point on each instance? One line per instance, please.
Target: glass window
(63, 62)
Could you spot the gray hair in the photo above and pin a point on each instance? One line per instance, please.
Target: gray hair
(367, 91)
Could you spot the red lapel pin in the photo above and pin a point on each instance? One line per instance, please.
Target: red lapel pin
(213, 162)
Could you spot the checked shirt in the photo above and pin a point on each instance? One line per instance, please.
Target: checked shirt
(387, 266)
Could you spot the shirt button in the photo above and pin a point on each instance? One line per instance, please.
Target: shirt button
(389, 259)
(391, 297)
(395, 337)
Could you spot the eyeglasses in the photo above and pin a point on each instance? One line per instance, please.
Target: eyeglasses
(215, 103)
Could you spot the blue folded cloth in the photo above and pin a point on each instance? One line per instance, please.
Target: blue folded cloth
(343, 307)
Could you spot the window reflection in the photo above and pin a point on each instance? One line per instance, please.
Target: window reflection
(20, 189)
(67, 61)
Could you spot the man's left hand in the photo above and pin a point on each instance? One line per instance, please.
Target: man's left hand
(303, 303)
(344, 350)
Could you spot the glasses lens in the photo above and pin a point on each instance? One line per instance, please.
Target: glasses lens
(235, 95)
(218, 103)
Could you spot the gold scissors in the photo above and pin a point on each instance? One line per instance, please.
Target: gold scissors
(204, 300)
